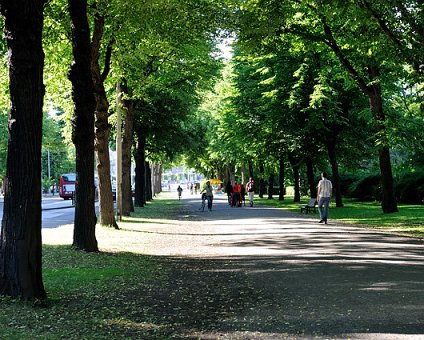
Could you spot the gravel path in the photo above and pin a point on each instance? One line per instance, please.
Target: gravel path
(262, 273)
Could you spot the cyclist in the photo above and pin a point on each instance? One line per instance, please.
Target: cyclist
(209, 194)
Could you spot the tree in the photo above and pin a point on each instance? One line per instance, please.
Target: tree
(83, 127)
(102, 126)
(362, 55)
(20, 242)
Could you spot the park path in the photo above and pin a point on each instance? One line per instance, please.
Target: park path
(290, 277)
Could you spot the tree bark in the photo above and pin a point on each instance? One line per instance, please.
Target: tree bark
(20, 242)
(250, 165)
(140, 170)
(296, 178)
(261, 180)
(373, 92)
(331, 150)
(388, 202)
(271, 185)
(310, 176)
(127, 142)
(281, 177)
(83, 128)
(149, 193)
(102, 129)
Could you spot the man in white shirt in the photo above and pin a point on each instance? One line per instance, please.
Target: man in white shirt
(325, 189)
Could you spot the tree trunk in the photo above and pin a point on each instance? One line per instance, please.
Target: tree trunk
(373, 92)
(311, 179)
(261, 180)
(149, 195)
(127, 107)
(296, 178)
(140, 171)
(281, 178)
(250, 164)
(271, 186)
(102, 130)
(243, 174)
(388, 202)
(83, 128)
(331, 149)
(20, 242)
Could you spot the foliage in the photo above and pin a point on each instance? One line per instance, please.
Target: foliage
(366, 188)
(410, 187)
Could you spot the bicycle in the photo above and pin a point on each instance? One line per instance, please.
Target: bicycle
(203, 204)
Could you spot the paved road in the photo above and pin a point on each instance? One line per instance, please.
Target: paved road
(306, 280)
(55, 211)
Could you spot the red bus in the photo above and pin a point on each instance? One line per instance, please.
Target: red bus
(67, 186)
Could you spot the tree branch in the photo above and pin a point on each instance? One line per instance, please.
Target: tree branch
(108, 58)
(332, 43)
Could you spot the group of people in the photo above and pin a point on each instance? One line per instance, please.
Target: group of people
(236, 194)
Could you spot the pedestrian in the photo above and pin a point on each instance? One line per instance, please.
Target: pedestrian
(209, 194)
(229, 191)
(180, 190)
(236, 195)
(325, 190)
(250, 188)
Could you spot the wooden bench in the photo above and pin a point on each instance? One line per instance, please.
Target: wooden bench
(311, 206)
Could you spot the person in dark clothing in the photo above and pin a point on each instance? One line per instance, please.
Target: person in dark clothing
(229, 191)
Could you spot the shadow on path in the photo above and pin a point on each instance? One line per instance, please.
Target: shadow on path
(261, 273)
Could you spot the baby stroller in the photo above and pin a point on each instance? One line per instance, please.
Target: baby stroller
(235, 199)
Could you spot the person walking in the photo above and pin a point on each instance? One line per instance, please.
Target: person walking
(250, 188)
(236, 195)
(325, 190)
(229, 191)
(209, 194)
(180, 190)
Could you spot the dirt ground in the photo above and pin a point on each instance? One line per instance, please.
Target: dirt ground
(262, 273)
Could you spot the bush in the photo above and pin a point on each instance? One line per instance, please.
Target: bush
(410, 188)
(366, 188)
(346, 182)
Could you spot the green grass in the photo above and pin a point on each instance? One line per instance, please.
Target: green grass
(409, 219)
(89, 297)
(95, 295)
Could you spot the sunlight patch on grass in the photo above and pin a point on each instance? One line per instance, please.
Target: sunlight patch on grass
(130, 324)
(409, 219)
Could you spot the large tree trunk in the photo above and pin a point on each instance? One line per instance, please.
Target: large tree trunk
(127, 107)
(310, 175)
(149, 191)
(102, 129)
(296, 178)
(373, 92)
(271, 185)
(331, 149)
(251, 173)
(388, 202)
(281, 178)
(20, 242)
(261, 180)
(83, 128)
(140, 171)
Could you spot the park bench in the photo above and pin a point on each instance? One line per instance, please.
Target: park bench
(311, 206)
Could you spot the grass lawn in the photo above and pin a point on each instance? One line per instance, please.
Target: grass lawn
(94, 295)
(409, 219)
